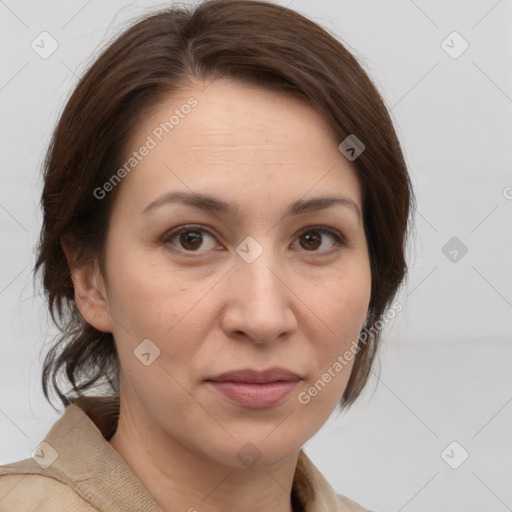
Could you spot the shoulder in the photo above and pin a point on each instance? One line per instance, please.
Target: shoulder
(349, 505)
(24, 491)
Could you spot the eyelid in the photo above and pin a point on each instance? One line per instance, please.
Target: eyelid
(171, 234)
(340, 241)
(335, 233)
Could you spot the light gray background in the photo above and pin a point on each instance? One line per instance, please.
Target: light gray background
(447, 357)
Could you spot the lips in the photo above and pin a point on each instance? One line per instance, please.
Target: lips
(255, 389)
(274, 374)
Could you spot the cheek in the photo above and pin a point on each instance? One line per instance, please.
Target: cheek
(342, 302)
(143, 292)
(155, 302)
(333, 351)
(342, 307)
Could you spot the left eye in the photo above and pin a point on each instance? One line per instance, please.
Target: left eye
(314, 240)
(191, 238)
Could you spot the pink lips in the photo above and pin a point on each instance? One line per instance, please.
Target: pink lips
(254, 389)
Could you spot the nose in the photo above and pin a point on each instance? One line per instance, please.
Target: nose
(260, 304)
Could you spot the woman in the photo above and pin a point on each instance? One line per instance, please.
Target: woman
(225, 214)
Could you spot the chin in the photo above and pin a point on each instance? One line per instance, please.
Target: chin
(247, 452)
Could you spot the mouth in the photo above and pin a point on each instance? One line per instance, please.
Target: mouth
(255, 389)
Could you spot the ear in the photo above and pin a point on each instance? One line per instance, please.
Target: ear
(90, 292)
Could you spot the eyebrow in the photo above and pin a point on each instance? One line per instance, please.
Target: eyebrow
(214, 205)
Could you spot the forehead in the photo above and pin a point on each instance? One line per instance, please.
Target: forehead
(225, 136)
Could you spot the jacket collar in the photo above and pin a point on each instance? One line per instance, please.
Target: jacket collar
(100, 475)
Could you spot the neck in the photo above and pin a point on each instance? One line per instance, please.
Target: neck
(179, 478)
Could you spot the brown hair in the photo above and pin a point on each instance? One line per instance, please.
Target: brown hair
(254, 42)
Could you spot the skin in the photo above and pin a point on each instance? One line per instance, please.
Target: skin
(209, 311)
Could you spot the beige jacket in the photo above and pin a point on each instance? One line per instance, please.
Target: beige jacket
(76, 469)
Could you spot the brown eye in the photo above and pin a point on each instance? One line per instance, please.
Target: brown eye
(312, 239)
(190, 239)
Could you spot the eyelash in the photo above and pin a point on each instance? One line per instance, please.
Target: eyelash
(339, 240)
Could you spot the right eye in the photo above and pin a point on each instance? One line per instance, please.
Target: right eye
(189, 238)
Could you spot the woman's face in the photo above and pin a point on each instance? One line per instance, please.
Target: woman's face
(195, 291)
